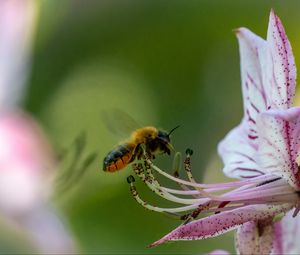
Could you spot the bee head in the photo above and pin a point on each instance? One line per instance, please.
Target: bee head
(165, 137)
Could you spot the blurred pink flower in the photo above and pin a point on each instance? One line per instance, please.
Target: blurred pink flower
(26, 161)
(263, 151)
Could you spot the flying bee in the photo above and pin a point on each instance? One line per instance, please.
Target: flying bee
(155, 141)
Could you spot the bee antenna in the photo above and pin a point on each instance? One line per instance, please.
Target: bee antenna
(172, 130)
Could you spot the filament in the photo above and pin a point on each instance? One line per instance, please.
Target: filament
(176, 170)
(155, 208)
(198, 198)
(154, 185)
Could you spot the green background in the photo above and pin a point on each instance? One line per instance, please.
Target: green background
(164, 63)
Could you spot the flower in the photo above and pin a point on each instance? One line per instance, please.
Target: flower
(263, 151)
(17, 26)
(26, 172)
(26, 160)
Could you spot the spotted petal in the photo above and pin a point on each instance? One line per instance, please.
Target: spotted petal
(223, 222)
(255, 237)
(279, 67)
(268, 82)
(279, 143)
(286, 235)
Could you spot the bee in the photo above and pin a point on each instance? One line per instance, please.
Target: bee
(155, 141)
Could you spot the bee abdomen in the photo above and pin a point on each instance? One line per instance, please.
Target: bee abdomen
(118, 158)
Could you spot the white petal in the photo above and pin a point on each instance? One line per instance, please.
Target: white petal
(17, 19)
(279, 141)
(238, 155)
(238, 149)
(286, 235)
(252, 49)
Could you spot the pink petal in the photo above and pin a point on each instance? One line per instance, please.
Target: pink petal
(26, 164)
(223, 222)
(252, 50)
(254, 238)
(280, 70)
(286, 238)
(279, 141)
(238, 155)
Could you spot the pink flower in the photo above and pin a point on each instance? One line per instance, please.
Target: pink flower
(26, 160)
(263, 151)
(26, 172)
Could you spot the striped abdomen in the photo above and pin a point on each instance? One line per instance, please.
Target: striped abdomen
(118, 158)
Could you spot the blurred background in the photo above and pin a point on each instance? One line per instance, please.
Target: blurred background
(165, 63)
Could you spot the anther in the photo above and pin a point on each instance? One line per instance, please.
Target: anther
(189, 152)
(130, 179)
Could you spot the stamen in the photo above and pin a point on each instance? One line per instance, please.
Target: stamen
(187, 167)
(181, 192)
(193, 215)
(257, 194)
(222, 205)
(265, 189)
(136, 196)
(223, 209)
(176, 170)
(155, 186)
(271, 184)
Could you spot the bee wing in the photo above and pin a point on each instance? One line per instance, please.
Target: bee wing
(119, 122)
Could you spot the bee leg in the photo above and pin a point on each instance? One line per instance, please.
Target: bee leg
(137, 153)
(165, 149)
(140, 154)
(150, 154)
